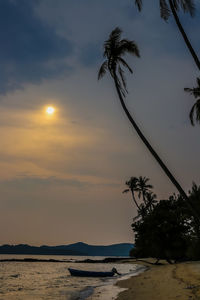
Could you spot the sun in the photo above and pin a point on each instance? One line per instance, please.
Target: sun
(50, 110)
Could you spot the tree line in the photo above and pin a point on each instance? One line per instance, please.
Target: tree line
(164, 229)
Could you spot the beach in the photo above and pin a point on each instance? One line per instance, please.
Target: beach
(111, 289)
(163, 282)
(140, 280)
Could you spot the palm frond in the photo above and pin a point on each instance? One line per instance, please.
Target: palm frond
(103, 69)
(115, 34)
(151, 196)
(126, 46)
(114, 48)
(194, 91)
(192, 114)
(136, 218)
(138, 3)
(188, 90)
(126, 191)
(121, 88)
(132, 183)
(164, 10)
(187, 6)
(190, 7)
(148, 186)
(121, 73)
(111, 45)
(113, 40)
(124, 63)
(119, 85)
(195, 111)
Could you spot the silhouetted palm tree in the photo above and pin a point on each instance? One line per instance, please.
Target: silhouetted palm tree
(173, 6)
(132, 187)
(150, 200)
(114, 50)
(143, 187)
(146, 208)
(195, 111)
(142, 212)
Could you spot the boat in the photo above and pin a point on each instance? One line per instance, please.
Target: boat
(82, 273)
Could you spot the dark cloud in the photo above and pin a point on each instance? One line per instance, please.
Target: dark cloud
(30, 49)
(91, 54)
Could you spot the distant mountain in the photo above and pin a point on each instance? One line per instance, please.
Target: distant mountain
(72, 249)
(42, 250)
(111, 250)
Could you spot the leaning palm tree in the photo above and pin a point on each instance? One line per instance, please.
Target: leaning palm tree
(132, 187)
(195, 111)
(143, 187)
(168, 7)
(114, 50)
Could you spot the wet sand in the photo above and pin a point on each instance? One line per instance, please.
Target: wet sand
(110, 290)
(163, 282)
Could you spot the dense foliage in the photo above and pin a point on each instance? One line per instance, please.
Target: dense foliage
(166, 229)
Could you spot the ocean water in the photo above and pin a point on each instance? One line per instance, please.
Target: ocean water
(51, 280)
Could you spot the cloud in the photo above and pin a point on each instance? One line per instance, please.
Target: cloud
(32, 182)
(30, 49)
(88, 22)
(27, 182)
(91, 54)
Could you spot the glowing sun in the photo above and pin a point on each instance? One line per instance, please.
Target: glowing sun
(50, 110)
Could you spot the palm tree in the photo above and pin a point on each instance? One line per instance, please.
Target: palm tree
(146, 208)
(173, 6)
(143, 187)
(132, 187)
(195, 111)
(151, 200)
(114, 50)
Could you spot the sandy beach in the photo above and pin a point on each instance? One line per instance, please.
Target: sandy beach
(163, 282)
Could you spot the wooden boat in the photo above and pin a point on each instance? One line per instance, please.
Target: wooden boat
(82, 273)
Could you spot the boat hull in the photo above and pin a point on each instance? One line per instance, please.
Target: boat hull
(81, 273)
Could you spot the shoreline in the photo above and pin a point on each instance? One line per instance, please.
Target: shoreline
(110, 289)
(87, 260)
(163, 282)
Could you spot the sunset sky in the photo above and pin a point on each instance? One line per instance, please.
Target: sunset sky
(62, 175)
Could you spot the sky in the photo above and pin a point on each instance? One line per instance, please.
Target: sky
(62, 176)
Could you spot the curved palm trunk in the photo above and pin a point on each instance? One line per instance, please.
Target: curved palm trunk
(153, 152)
(180, 27)
(135, 200)
(144, 199)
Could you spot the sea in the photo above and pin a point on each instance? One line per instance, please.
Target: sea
(38, 280)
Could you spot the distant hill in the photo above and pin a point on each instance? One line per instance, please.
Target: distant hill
(111, 250)
(72, 249)
(42, 250)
